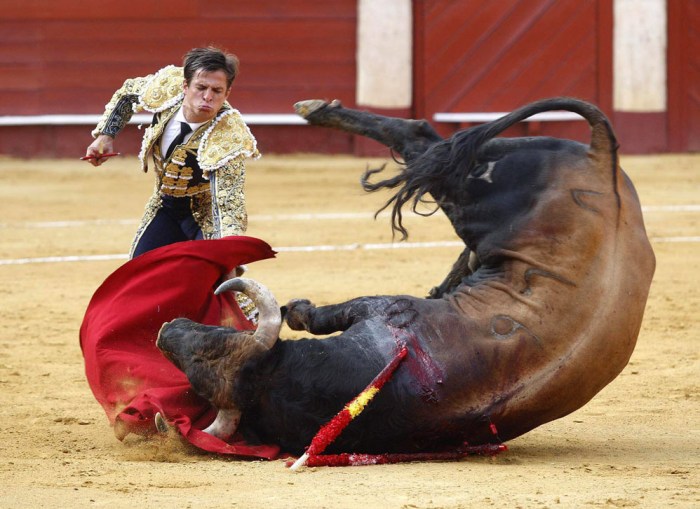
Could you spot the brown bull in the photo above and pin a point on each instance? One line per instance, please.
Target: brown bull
(540, 312)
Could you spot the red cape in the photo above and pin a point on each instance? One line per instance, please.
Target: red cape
(128, 375)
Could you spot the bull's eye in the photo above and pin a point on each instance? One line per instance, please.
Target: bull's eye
(483, 171)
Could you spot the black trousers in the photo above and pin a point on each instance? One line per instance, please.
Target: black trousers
(173, 223)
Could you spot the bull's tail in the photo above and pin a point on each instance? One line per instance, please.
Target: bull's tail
(603, 139)
(456, 155)
(603, 145)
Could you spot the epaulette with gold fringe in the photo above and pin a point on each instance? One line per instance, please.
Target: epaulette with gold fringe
(226, 139)
(164, 90)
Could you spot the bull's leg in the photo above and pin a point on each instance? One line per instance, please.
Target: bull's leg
(409, 138)
(303, 315)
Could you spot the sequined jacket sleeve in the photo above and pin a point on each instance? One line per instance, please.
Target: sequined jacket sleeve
(228, 199)
(154, 93)
(121, 107)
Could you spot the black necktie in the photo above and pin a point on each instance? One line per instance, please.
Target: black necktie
(184, 131)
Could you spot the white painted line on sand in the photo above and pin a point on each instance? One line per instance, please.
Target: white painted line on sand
(675, 239)
(297, 249)
(320, 216)
(63, 259)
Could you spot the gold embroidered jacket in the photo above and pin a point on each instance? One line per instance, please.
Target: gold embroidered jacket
(209, 167)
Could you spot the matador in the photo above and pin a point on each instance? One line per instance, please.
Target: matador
(197, 144)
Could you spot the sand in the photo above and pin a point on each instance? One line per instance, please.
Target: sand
(636, 444)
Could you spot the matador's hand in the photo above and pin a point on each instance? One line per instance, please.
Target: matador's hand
(103, 144)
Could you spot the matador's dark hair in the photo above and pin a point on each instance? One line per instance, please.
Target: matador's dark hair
(210, 59)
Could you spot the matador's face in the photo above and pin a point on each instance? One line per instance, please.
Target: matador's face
(204, 95)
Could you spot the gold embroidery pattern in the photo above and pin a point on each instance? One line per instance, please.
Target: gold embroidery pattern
(175, 181)
(248, 307)
(155, 93)
(179, 156)
(131, 87)
(163, 90)
(151, 135)
(176, 177)
(201, 211)
(230, 198)
(229, 208)
(227, 139)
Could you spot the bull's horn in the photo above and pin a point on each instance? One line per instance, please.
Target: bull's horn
(270, 318)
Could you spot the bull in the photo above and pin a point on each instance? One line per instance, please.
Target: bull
(538, 314)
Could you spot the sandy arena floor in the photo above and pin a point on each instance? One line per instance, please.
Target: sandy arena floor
(637, 444)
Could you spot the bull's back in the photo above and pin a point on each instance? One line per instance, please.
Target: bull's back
(561, 319)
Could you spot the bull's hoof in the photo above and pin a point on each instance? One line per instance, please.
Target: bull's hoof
(297, 314)
(307, 108)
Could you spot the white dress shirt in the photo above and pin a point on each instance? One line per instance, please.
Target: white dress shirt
(173, 129)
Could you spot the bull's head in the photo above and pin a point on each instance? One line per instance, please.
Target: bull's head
(212, 357)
